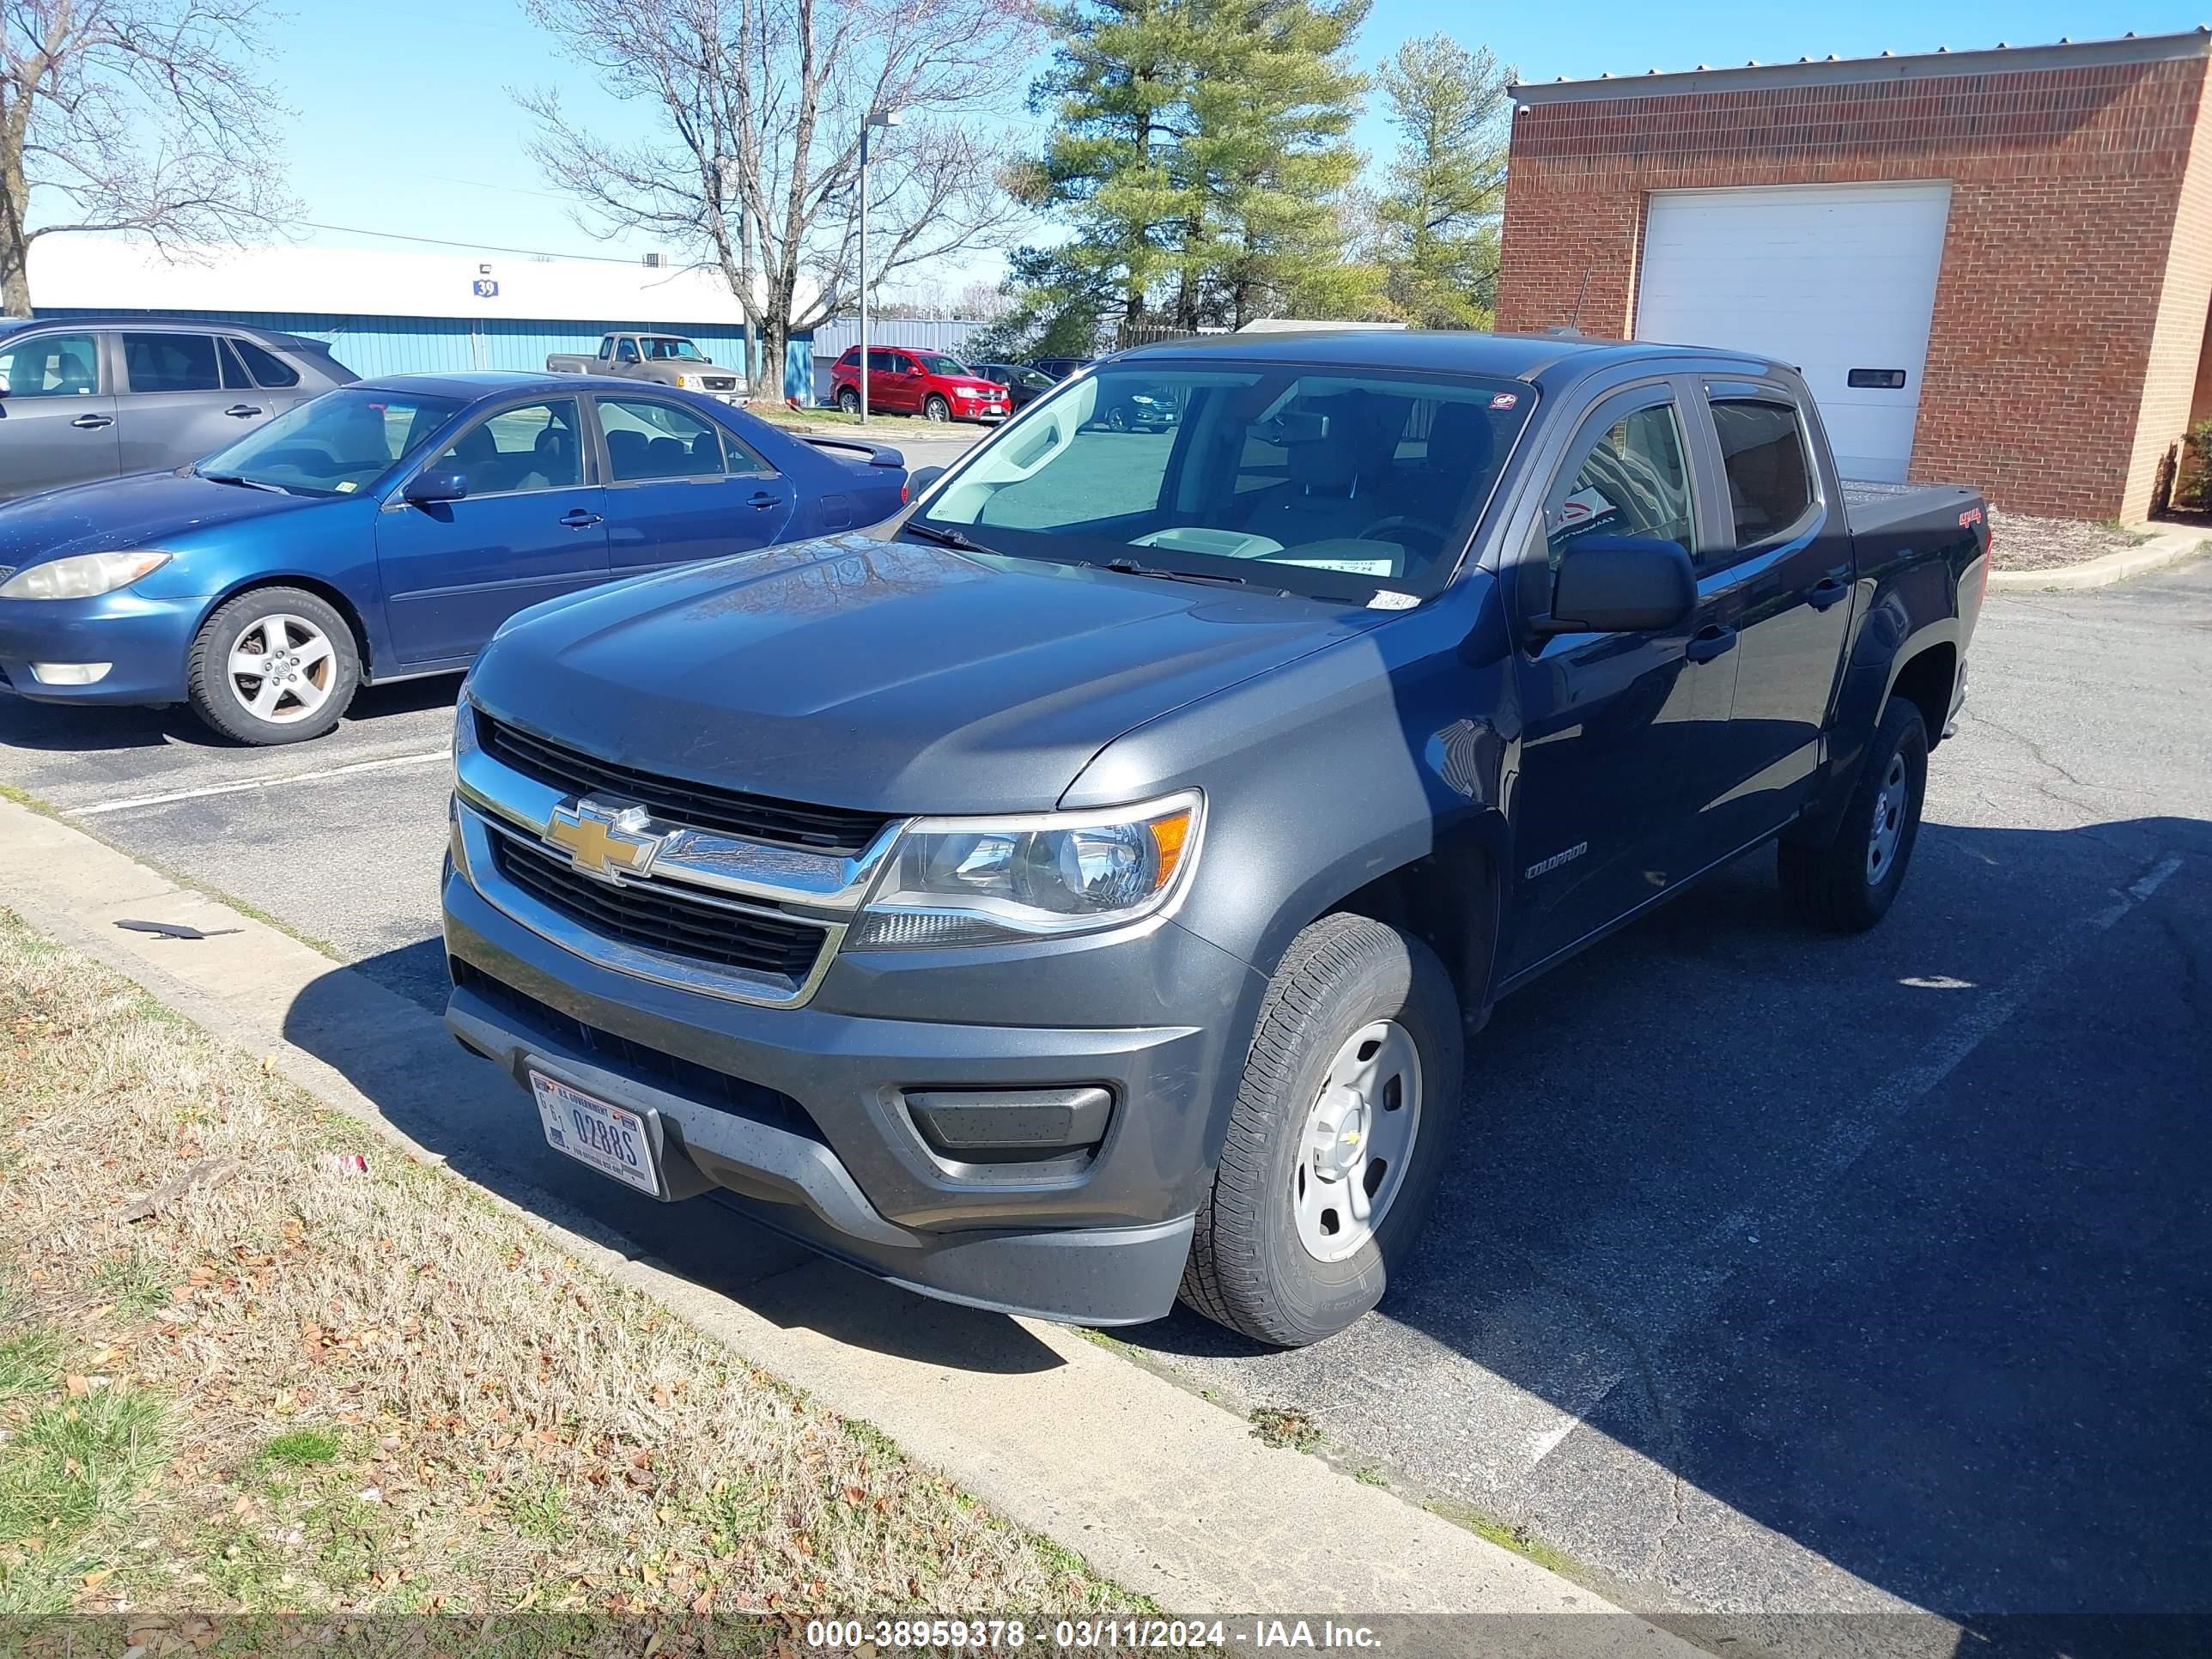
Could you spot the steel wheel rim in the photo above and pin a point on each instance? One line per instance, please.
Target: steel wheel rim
(1888, 821)
(1357, 1141)
(281, 669)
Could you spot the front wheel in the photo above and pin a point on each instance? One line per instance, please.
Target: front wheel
(936, 410)
(275, 665)
(1341, 1125)
(1846, 884)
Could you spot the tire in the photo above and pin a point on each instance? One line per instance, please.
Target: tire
(1251, 1268)
(315, 682)
(849, 401)
(936, 410)
(1117, 419)
(1846, 884)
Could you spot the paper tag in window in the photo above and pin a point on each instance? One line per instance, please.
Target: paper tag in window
(1389, 600)
(1585, 509)
(345, 486)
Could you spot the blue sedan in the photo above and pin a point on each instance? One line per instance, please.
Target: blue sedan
(384, 530)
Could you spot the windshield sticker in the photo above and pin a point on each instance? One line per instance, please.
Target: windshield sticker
(1388, 598)
(1504, 400)
(1350, 567)
(345, 486)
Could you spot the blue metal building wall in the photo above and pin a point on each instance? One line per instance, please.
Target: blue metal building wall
(413, 345)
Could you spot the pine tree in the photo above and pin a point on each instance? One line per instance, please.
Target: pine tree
(1438, 216)
(1267, 161)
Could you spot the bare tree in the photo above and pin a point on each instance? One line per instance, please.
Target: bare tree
(132, 115)
(752, 161)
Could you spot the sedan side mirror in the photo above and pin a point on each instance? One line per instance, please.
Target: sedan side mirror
(427, 489)
(1620, 585)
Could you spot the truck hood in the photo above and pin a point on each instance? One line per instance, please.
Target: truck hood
(146, 509)
(884, 675)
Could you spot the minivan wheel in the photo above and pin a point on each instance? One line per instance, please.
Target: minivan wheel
(1846, 884)
(937, 408)
(1342, 1122)
(275, 665)
(849, 401)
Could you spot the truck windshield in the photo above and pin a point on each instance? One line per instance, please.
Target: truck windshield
(1335, 483)
(662, 349)
(339, 443)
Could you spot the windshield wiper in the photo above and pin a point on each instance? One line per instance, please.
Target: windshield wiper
(1131, 568)
(943, 537)
(250, 483)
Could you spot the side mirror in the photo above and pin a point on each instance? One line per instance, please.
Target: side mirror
(921, 479)
(1620, 585)
(425, 488)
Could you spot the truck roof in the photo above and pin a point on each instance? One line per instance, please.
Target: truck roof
(1533, 358)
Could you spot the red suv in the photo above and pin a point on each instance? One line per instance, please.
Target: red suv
(925, 383)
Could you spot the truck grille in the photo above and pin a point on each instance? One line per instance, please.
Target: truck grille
(696, 806)
(660, 916)
(719, 382)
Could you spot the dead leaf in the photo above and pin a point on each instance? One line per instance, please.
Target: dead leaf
(95, 1580)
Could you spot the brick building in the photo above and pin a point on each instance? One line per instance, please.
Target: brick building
(1994, 267)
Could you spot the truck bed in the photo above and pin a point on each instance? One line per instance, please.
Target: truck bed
(1900, 511)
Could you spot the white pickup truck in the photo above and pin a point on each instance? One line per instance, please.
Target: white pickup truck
(662, 359)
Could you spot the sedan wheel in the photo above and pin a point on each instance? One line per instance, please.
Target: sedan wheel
(276, 664)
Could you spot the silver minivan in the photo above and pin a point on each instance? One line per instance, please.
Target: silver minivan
(86, 397)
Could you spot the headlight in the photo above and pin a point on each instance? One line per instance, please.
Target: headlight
(83, 576)
(982, 881)
(689, 382)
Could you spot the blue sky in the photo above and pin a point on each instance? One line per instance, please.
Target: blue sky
(404, 124)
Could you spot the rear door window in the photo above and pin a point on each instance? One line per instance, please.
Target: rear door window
(171, 363)
(646, 440)
(1763, 457)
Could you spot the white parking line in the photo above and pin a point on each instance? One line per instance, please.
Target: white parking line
(244, 785)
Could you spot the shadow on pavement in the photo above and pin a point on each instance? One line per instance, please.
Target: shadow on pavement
(1899, 1247)
(64, 728)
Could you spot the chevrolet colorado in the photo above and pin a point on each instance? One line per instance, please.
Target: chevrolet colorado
(1083, 887)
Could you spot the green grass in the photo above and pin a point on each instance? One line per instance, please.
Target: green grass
(301, 1448)
(135, 1284)
(71, 1473)
(541, 1510)
(1369, 1475)
(1505, 1535)
(30, 1364)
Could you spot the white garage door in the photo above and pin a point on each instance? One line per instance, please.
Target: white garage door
(1837, 279)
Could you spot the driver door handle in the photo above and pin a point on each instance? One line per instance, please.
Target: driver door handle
(243, 411)
(577, 518)
(1710, 641)
(1826, 591)
(92, 422)
(763, 500)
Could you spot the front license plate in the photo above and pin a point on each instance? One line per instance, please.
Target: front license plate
(612, 1139)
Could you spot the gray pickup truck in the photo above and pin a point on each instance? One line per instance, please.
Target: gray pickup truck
(662, 359)
(1091, 884)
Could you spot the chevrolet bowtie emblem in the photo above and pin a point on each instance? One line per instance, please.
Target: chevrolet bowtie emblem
(605, 841)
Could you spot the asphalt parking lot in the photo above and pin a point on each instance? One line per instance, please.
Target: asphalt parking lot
(1775, 1273)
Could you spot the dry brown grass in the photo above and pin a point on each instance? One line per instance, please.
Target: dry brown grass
(301, 1387)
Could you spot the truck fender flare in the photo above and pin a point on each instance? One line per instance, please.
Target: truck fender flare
(1886, 642)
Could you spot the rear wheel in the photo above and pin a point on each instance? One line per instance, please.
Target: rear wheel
(936, 408)
(1846, 884)
(849, 401)
(275, 665)
(1342, 1123)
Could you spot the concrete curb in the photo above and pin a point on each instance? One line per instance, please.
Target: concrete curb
(1166, 1493)
(2171, 548)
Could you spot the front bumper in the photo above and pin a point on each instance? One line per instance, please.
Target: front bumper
(799, 1106)
(145, 639)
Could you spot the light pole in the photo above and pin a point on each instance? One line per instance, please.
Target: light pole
(877, 117)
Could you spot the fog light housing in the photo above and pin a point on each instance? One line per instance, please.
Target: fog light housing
(1012, 1126)
(69, 673)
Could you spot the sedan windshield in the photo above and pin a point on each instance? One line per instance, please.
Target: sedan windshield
(341, 442)
(1339, 483)
(662, 349)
